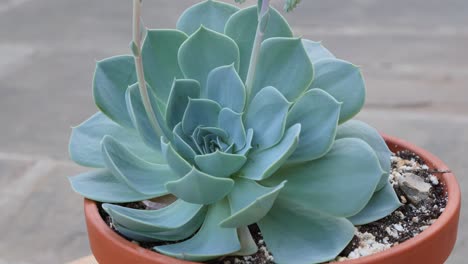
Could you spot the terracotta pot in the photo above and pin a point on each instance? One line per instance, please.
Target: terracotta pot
(433, 246)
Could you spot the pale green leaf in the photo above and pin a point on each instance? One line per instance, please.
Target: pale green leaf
(204, 245)
(291, 4)
(183, 144)
(200, 112)
(318, 114)
(249, 202)
(85, 141)
(316, 51)
(181, 92)
(343, 81)
(231, 122)
(266, 115)
(177, 163)
(159, 55)
(283, 63)
(340, 183)
(248, 245)
(361, 130)
(111, 79)
(241, 27)
(225, 87)
(140, 117)
(220, 164)
(262, 164)
(204, 51)
(143, 177)
(172, 235)
(174, 222)
(382, 203)
(299, 237)
(200, 188)
(102, 186)
(211, 14)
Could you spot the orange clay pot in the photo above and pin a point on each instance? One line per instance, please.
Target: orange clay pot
(432, 246)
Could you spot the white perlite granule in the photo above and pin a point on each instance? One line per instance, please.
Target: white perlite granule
(367, 246)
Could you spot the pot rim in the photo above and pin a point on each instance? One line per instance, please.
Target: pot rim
(451, 210)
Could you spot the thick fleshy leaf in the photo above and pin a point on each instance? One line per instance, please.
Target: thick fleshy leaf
(181, 91)
(231, 122)
(85, 141)
(159, 55)
(248, 142)
(173, 216)
(211, 14)
(220, 164)
(361, 130)
(262, 164)
(172, 235)
(311, 237)
(177, 221)
(242, 26)
(283, 63)
(225, 87)
(111, 79)
(318, 114)
(266, 115)
(140, 118)
(102, 186)
(177, 163)
(382, 203)
(343, 81)
(183, 144)
(250, 202)
(204, 51)
(204, 245)
(340, 183)
(200, 112)
(316, 51)
(143, 177)
(248, 245)
(200, 188)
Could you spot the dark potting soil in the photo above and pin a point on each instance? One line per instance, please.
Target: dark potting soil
(406, 222)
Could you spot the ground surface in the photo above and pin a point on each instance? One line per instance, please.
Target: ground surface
(413, 54)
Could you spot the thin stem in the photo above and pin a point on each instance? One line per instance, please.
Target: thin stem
(136, 49)
(263, 16)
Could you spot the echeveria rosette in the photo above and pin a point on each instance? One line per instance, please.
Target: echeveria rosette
(284, 156)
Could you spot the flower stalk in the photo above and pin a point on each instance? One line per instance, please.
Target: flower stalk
(136, 50)
(263, 16)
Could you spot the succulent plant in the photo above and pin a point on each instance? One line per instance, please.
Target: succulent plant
(244, 124)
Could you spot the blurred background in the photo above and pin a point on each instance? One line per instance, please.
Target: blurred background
(413, 54)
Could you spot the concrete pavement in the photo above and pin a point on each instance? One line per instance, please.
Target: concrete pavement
(413, 55)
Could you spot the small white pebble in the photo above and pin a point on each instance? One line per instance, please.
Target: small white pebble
(442, 210)
(432, 221)
(403, 199)
(422, 228)
(261, 241)
(434, 180)
(424, 167)
(398, 227)
(353, 255)
(391, 232)
(400, 214)
(270, 258)
(415, 219)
